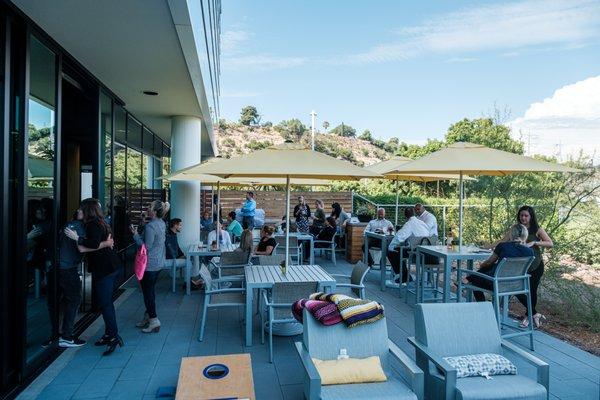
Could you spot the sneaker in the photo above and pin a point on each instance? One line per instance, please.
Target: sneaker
(47, 343)
(75, 342)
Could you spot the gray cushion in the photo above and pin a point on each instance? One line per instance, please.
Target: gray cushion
(485, 365)
(391, 389)
(507, 387)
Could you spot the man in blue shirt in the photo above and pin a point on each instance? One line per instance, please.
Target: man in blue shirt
(248, 210)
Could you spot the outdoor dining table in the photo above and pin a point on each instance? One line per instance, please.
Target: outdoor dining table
(304, 237)
(265, 276)
(385, 241)
(204, 250)
(468, 254)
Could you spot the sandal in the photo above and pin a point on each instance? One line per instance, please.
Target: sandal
(524, 322)
(538, 318)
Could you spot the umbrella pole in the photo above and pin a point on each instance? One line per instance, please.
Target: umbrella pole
(287, 219)
(396, 217)
(460, 211)
(218, 226)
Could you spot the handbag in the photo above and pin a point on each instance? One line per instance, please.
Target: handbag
(141, 261)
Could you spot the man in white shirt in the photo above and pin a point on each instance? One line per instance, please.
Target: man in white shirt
(224, 239)
(428, 218)
(413, 227)
(379, 225)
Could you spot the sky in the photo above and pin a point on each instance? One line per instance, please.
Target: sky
(411, 69)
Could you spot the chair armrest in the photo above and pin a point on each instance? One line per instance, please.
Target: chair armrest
(543, 369)
(228, 290)
(448, 371)
(323, 241)
(313, 392)
(415, 373)
(479, 274)
(230, 278)
(340, 276)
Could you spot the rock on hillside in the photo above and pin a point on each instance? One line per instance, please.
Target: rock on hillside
(235, 139)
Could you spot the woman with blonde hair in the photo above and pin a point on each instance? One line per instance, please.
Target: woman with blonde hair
(154, 235)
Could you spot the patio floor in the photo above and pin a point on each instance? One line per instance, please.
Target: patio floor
(147, 362)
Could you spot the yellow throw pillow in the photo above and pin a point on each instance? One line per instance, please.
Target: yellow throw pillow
(350, 370)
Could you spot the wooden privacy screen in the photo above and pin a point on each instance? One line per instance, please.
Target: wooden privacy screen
(273, 202)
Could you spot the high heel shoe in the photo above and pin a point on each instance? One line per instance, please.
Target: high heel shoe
(112, 345)
(103, 341)
(538, 319)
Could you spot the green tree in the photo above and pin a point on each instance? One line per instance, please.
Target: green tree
(366, 135)
(291, 129)
(249, 116)
(344, 130)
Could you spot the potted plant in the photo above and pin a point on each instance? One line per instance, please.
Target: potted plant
(364, 214)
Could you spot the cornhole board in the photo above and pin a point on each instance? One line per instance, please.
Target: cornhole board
(238, 383)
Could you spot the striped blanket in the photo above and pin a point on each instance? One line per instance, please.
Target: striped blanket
(330, 309)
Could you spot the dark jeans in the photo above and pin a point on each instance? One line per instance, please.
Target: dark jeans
(68, 299)
(534, 282)
(394, 257)
(372, 243)
(482, 282)
(148, 283)
(249, 221)
(104, 289)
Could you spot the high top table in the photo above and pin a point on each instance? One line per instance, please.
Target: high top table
(469, 254)
(265, 276)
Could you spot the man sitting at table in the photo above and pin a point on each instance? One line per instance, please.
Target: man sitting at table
(173, 253)
(428, 218)
(412, 227)
(224, 239)
(379, 225)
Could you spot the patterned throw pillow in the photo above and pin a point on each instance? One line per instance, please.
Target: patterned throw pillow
(481, 365)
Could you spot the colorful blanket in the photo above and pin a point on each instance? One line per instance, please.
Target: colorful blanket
(330, 309)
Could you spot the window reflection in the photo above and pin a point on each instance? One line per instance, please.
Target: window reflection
(41, 304)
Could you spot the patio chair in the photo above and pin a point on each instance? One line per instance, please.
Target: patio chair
(427, 274)
(329, 245)
(172, 264)
(457, 329)
(295, 248)
(325, 342)
(216, 297)
(231, 263)
(279, 306)
(274, 259)
(356, 278)
(510, 279)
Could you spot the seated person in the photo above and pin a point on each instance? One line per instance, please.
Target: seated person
(379, 225)
(318, 219)
(413, 227)
(515, 247)
(224, 239)
(267, 243)
(233, 226)
(326, 234)
(173, 252)
(206, 222)
(246, 240)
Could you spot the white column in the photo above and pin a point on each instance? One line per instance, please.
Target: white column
(185, 195)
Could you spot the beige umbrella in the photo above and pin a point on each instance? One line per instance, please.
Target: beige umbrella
(388, 169)
(475, 159)
(287, 161)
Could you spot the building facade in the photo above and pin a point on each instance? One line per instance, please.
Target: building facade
(99, 98)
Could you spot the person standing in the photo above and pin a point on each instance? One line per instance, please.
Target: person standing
(248, 210)
(154, 237)
(428, 218)
(302, 214)
(537, 240)
(104, 264)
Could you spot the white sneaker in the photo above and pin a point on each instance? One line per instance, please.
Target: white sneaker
(71, 342)
(153, 326)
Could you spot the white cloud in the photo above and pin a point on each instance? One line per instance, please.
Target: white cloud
(264, 62)
(232, 40)
(564, 124)
(506, 26)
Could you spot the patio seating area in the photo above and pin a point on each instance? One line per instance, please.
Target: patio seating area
(148, 362)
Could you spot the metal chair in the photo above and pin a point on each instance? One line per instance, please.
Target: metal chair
(510, 279)
(329, 245)
(173, 264)
(216, 297)
(325, 342)
(455, 329)
(356, 278)
(279, 306)
(427, 275)
(294, 245)
(274, 259)
(231, 263)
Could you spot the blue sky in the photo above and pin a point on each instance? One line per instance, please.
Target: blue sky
(410, 69)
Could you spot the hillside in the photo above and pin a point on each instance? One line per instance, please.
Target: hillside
(235, 139)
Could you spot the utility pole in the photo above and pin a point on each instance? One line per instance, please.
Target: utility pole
(313, 115)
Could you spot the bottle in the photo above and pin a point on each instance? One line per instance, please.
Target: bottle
(282, 267)
(343, 354)
(449, 240)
